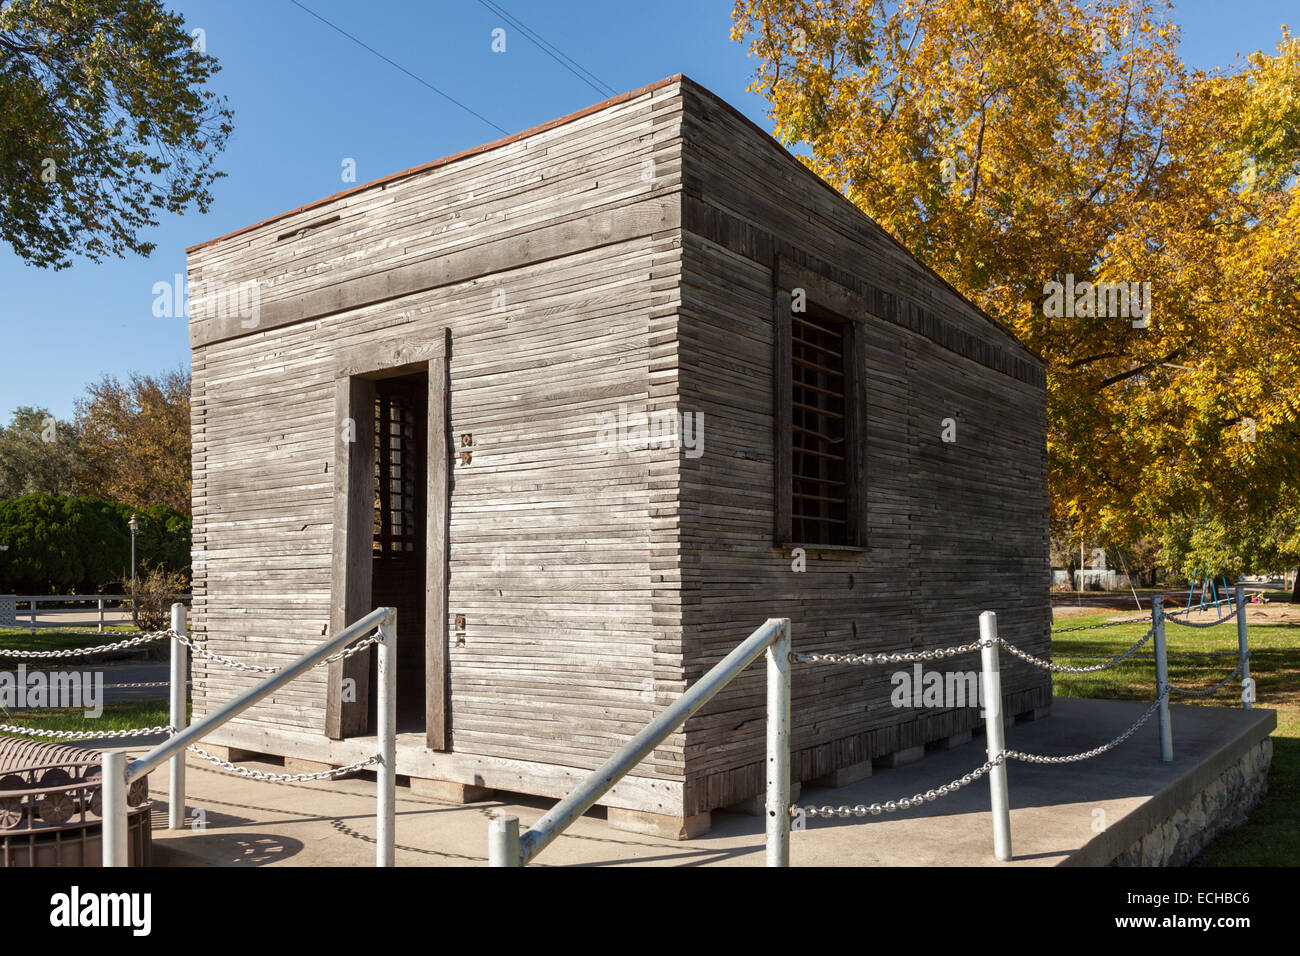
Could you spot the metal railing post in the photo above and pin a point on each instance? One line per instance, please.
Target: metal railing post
(113, 798)
(503, 841)
(33, 603)
(778, 748)
(601, 780)
(179, 720)
(1162, 678)
(386, 779)
(994, 733)
(1243, 650)
(100, 603)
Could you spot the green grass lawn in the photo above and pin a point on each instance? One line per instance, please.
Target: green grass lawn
(1271, 837)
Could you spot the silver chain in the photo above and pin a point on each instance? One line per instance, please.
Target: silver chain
(887, 658)
(282, 777)
(148, 638)
(262, 669)
(903, 803)
(906, 803)
(1093, 627)
(83, 734)
(1064, 669)
(1178, 620)
(1096, 751)
(1204, 691)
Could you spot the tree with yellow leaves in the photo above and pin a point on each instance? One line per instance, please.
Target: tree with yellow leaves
(1135, 222)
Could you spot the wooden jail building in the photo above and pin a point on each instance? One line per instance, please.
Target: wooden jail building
(587, 405)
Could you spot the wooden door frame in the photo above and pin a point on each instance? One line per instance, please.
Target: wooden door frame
(354, 494)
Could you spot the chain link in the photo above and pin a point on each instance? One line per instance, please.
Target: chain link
(282, 777)
(1204, 691)
(1178, 620)
(1096, 751)
(902, 803)
(83, 734)
(887, 658)
(1064, 669)
(1093, 627)
(906, 803)
(148, 638)
(263, 669)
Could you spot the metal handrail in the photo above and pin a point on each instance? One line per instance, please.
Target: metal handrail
(506, 847)
(118, 772)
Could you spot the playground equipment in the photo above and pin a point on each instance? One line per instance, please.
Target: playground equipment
(1210, 587)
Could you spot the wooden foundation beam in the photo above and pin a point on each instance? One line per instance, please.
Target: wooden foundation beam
(665, 826)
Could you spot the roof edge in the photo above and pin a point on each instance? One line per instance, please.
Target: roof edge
(463, 154)
(995, 323)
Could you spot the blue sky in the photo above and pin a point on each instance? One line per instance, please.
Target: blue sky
(306, 98)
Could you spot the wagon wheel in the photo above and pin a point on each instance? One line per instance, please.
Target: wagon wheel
(91, 780)
(11, 809)
(138, 792)
(56, 808)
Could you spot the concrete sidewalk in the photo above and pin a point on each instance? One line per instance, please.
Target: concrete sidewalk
(1055, 808)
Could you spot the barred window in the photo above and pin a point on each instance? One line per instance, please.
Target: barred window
(819, 413)
(398, 461)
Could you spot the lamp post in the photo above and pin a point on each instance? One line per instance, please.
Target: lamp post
(134, 525)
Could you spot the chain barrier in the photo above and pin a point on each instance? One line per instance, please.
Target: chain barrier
(1096, 751)
(1177, 620)
(916, 656)
(84, 734)
(1204, 691)
(887, 658)
(185, 639)
(902, 803)
(1065, 669)
(148, 638)
(282, 777)
(906, 803)
(1093, 627)
(203, 652)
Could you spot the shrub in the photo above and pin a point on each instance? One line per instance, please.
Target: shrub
(152, 596)
(79, 545)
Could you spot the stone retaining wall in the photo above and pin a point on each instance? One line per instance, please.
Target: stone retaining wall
(1222, 805)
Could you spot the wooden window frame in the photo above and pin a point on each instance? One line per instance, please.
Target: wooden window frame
(354, 512)
(851, 308)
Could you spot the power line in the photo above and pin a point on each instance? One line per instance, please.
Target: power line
(399, 66)
(554, 52)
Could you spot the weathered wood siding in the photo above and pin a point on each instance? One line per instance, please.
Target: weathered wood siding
(952, 528)
(553, 260)
(620, 260)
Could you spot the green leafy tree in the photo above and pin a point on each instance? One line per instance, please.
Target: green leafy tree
(83, 545)
(38, 454)
(104, 122)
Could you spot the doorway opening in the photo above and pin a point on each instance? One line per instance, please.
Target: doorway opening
(399, 541)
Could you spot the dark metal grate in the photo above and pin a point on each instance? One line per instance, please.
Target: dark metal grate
(397, 455)
(819, 479)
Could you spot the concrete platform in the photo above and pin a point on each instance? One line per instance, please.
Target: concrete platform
(1086, 813)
